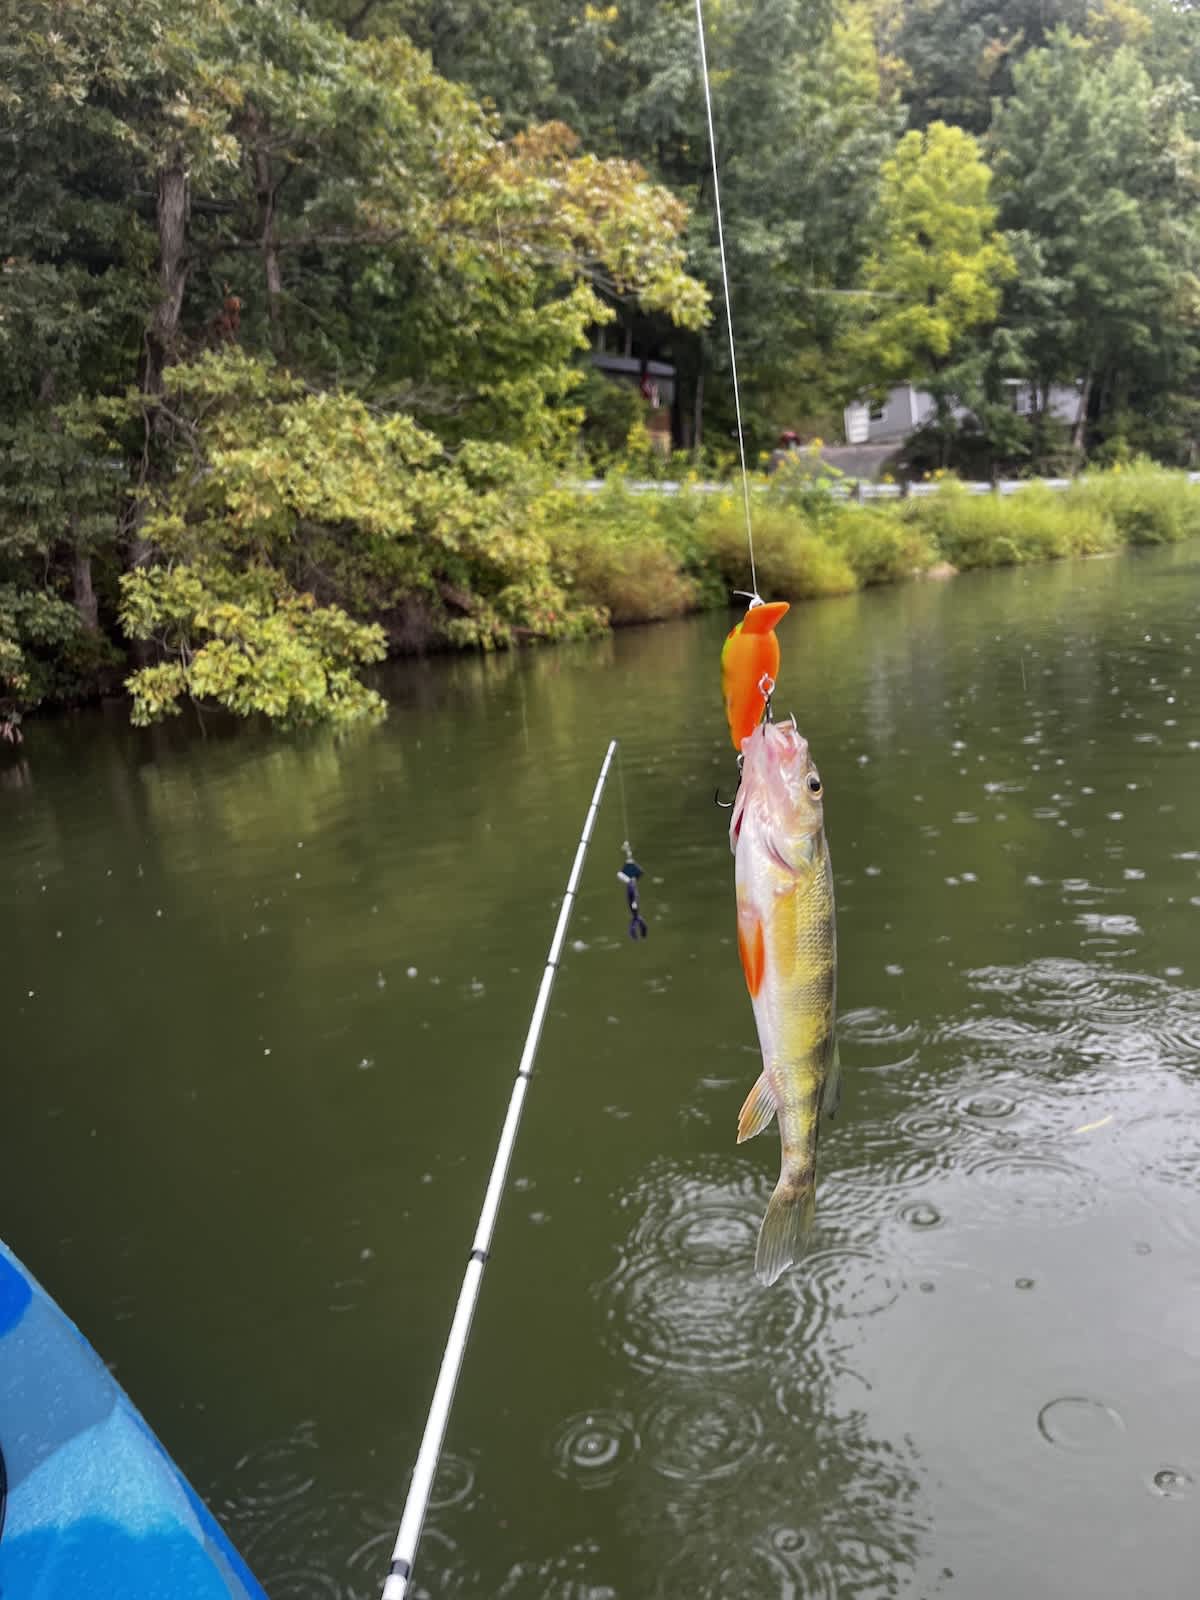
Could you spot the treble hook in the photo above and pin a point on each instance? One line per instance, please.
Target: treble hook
(727, 805)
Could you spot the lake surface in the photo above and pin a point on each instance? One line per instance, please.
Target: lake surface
(263, 1001)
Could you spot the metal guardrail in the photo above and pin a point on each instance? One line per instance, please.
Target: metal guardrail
(855, 492)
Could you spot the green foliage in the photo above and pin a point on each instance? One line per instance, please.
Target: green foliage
(881, 546)
(794, 560)
(938, 264)
(293, 300)
(626, 575)
(35, 629)
(245, 641)
(611, 411)
(1146, 504)
(1097, 179)
(959, 55)
(279, 309)
(991, 530)
(360, 508)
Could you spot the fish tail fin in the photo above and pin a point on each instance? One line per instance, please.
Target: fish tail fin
(785, 1227)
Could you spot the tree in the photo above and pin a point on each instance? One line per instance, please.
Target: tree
(1097, 181)
(960, 55)
(935, 274)
(222, 175)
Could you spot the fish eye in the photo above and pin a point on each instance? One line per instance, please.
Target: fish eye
(814, 783)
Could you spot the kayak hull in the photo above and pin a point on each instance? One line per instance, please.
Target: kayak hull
(90, 1501)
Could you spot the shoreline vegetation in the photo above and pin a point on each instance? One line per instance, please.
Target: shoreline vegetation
(306, 311)
(616, 557)
(645, 558)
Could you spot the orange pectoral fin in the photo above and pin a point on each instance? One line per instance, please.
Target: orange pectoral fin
(753, 951)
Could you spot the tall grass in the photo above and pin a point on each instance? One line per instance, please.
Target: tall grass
(1148, 504)
(640, 557)
(793, 558)
(636, 557)
(990, 530)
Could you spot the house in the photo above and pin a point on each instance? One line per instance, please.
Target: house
(655, 380)
(907, 408)
(631, 369)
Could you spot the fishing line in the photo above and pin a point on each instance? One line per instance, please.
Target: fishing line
(737, 398)
(625, 834)
(421, 1486)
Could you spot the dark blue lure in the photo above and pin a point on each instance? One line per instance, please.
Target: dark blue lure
(629, 875)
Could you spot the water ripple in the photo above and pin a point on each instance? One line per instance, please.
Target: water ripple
(701, 1436)
(682, 1297)
(593, 1447)
(1079, 1424)
(1030, 1186)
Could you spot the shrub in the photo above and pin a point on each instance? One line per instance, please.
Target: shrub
(635, 557)
(1148, 504)
(990, 530)
(882, 545)
(629, 580)
(793, 560)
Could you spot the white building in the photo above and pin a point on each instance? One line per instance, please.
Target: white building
(906, 408)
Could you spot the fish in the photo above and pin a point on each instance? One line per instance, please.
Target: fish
(750, 653)
(787, 939)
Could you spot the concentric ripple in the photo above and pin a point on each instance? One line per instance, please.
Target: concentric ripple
(762, 1570)
(721, 1233)
(1036, 1186)
(333, 1543)
(683, 1297)
(843, 1284)
(453, 1483)
(593, 1447)
(1080, 1424)
(877, 1041)
(696, 1438)
(664, 1317)
(1173, 1483)
(274, 1474)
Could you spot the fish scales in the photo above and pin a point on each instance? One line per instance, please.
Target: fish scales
(788, 941)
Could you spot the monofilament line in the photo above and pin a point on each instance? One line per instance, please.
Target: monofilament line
(626, 836)
(421, 1486)
(737, 397)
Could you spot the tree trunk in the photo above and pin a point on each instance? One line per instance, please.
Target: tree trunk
(162, 336)
(265, 189)
(698, 410)
(1079, 435)
(83, 591)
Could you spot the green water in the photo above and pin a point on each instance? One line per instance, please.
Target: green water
(262, 1004)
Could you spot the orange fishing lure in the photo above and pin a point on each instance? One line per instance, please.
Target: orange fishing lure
(750, 653)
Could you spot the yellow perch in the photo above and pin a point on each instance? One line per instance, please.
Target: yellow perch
(788, 945)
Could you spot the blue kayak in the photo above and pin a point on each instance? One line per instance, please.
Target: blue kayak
(91, 1505)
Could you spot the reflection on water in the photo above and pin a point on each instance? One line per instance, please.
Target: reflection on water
(263, 1000)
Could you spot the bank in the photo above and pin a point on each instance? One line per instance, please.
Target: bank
(639, 557)
(554, 564)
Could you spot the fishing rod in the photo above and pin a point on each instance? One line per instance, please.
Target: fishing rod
(421, 1486)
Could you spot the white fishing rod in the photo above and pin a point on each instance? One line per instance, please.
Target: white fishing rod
(404, 1554)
